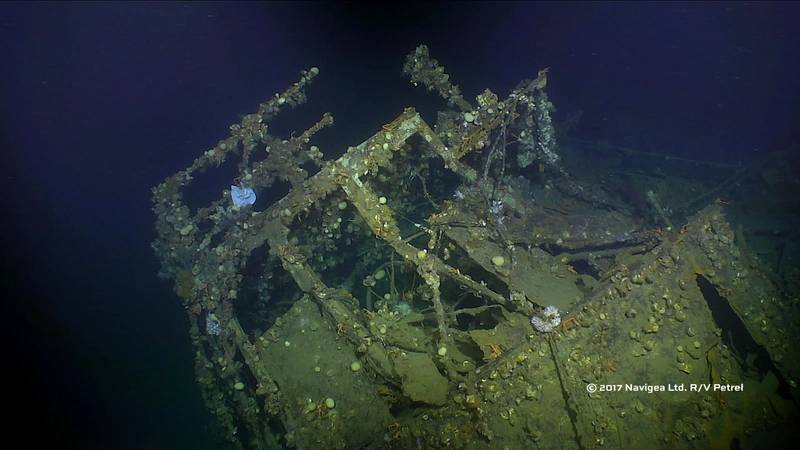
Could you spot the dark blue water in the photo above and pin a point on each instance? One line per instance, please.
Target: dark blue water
(100, 102)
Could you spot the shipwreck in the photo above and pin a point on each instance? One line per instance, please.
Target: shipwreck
(448, 283)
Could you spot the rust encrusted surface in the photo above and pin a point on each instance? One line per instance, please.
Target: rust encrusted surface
(466, 370)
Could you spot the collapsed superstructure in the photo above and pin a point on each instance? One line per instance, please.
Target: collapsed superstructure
(385, 301)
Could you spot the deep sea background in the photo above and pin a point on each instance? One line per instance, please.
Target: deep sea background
(101, 101)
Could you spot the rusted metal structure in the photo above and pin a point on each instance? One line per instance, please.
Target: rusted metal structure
(385, 300)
